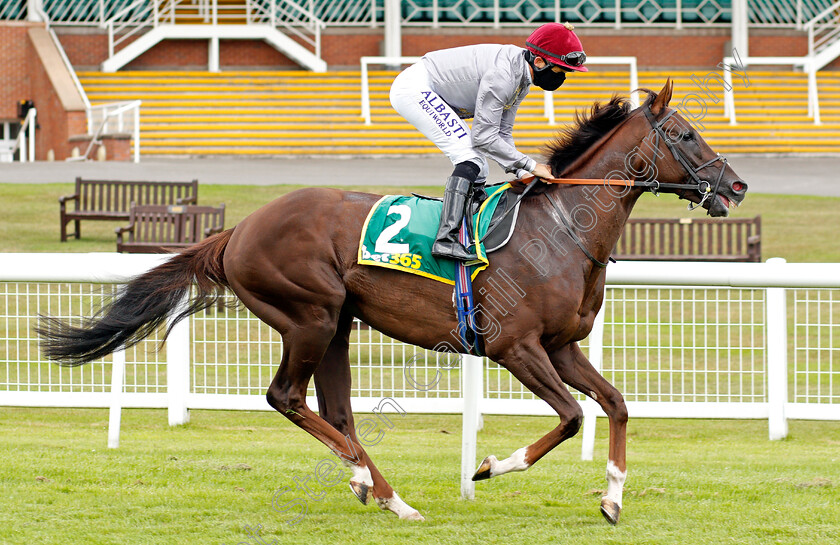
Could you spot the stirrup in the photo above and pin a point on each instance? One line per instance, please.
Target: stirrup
(453, 250)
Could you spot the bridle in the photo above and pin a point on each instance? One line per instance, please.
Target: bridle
(703, 187)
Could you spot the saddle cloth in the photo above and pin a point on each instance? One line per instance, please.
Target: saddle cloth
(400, 230)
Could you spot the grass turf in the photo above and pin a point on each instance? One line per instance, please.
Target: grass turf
(697, 482)
(798, 228)
(689, 482)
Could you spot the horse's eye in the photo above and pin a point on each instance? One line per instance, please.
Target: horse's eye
(688, 136)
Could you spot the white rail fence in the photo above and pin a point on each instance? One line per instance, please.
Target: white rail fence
(687, 340)
(24, 144)
(807, 64)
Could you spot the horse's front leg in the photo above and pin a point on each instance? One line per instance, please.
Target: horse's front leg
(576, 371)
(529, 363)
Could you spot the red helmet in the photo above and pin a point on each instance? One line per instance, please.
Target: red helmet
(558, 44)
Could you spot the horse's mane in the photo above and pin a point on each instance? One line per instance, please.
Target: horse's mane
(587, 129)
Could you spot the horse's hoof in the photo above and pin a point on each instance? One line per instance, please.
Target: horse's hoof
(361, 491)
(414, 515)
(610, 510)
(483, 471)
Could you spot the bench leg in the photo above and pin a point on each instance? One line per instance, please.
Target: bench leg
(75, 234)
(78, 224)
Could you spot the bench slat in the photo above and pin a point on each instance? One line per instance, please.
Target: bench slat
(111, 199)
(662, 239)
(163, 228)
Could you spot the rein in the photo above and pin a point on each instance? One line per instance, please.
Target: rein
(703, 187)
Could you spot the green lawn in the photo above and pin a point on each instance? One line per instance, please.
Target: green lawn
(690, 482)
(797, 228)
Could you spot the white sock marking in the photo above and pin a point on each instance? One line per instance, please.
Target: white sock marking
(361, 475)
(615, 483)
(396, 505)
(516, 462)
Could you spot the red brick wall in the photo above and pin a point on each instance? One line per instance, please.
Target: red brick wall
(15, 59)
(84, 50)
(24, 77)
(778, 46)
(56, 124)
(247, 53)
(341, 48)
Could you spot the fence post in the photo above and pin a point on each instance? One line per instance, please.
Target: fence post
(32, 123)
(137, 134)
(115, 411)
(178, 369)
(728, 92)
(548, 107)
(634, 82)
(472, 387)
(365, 92)
(590, 406)
(777, 383)
(813, 95)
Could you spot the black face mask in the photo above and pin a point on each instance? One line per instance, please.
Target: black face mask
(547, 79)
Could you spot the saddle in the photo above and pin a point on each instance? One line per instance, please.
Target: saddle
(503, 221)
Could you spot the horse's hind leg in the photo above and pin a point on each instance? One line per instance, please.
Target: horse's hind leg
(333, 387)
(576, 371)
(530, 364)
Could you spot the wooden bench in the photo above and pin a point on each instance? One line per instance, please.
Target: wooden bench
(156, 228)
(110, 199)
(732, 239)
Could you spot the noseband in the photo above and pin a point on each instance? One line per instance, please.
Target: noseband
(703, 187)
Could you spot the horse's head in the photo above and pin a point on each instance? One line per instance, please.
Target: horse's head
(678, 160)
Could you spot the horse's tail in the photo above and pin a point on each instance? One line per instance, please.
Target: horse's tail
(142, 306)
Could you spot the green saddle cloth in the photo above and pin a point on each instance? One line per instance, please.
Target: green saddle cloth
(399, 232)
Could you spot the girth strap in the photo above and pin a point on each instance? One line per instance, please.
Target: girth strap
(572, 233)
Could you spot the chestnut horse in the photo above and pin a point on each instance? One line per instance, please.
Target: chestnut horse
(293, 263)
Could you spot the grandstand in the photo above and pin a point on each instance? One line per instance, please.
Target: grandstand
(300, 113)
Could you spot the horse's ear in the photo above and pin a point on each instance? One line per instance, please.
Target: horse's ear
(663, 98)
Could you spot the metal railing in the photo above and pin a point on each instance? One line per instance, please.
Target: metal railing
(13, 10)
(805, 62)
(783, 13)
(436, 13)
(293, 17)
(365, 87)
(25, 143)
(109, 118)
(823, 29)
(141, 15)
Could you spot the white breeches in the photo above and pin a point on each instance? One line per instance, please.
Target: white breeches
(413, 98)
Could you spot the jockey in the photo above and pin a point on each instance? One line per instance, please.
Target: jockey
(486, 82)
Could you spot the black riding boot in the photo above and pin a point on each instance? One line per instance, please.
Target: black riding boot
(454, 202)
(479, 195)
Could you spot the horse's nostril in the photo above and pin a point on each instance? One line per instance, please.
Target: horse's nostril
(739, 186)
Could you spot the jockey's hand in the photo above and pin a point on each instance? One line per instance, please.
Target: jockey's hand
(542, 171)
